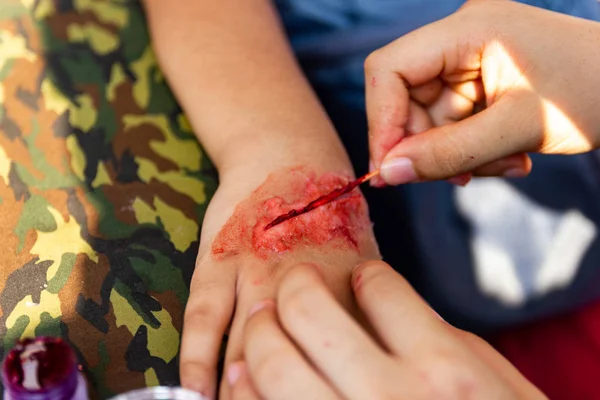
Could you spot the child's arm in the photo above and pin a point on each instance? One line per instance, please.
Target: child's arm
(234, 74)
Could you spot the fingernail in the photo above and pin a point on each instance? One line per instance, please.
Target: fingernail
(515, 173)
(259, 306)
(461, 180)
(371, 166)
(398, 170)
(234, 372)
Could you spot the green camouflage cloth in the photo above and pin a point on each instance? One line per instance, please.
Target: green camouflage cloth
(102, 189)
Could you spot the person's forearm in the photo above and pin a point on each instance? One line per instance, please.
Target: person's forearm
(235, 76)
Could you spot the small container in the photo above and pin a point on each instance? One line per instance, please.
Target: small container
(160, 393)
(42, 368)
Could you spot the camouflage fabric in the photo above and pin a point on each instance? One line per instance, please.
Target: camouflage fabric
(103, 187)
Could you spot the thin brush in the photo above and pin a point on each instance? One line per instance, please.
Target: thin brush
(321, 201)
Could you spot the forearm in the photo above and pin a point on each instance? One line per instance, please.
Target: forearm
(235, 76)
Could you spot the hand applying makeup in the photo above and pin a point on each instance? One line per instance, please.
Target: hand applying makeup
(305, 346)
(531, 74)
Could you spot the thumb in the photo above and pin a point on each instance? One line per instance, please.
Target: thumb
(504, 129)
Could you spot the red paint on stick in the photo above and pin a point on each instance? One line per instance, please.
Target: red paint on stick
(321, 201)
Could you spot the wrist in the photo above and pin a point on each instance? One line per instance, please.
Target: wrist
(254, 159)
(340, 227)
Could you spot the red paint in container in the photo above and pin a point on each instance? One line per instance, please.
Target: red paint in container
(42, 368)
(46, 368)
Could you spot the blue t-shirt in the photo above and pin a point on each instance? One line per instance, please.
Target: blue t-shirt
(496, 253)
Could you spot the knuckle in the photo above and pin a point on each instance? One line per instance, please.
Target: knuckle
(201, 285)
(445, 375)
(476, 6)
(194, 368)
(307, 269)
(373, 61)
(202, 314)
(470, 338)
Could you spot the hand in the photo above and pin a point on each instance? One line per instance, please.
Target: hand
(533, 69)
(317, 351)
(240, 264)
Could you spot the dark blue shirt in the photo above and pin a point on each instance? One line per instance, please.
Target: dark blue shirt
(496, 253)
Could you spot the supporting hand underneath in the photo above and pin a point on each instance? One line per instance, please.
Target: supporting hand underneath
(306, 346)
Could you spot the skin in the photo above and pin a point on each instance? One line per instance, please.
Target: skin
(535, 85)
(220, 56)
(339, 223)
(226, 285)
(231, 68)
(305, 345)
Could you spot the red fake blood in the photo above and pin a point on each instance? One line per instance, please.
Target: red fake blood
(321, 201)
(41, 365)
(339, 222)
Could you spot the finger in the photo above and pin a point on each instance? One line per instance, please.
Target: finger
(386, 121)
(517, 166)
(277, 368)
(240, 383)
(403, 321)
(255, 283)
(375, 181)
(207, 315)
(500, 365)
(450, 107)
(410, 61)
(418, 121)
(472, 90)
(328, 336)
(461, 180)
(499, 131)
(427, 93)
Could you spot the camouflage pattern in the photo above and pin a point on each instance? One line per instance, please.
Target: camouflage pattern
(103, 187)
